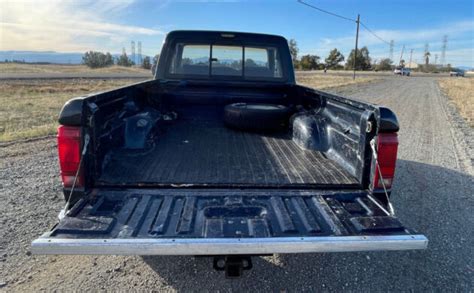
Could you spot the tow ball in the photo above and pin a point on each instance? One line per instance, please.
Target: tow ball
(232, 265)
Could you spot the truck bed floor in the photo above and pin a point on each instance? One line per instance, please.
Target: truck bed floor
(208, 153)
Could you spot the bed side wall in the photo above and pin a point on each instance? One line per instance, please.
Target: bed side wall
(337, 127)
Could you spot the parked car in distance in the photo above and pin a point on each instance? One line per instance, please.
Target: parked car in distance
(402, 71)
(456, 72)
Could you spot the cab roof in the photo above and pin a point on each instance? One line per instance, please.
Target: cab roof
(202, 35)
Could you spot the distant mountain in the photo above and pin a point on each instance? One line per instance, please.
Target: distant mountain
(42, 56)
(45, 56)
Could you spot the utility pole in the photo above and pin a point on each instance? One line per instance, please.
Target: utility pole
(411, 54)
(357, 43)
(401, 55)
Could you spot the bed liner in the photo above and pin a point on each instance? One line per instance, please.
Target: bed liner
(200, 152)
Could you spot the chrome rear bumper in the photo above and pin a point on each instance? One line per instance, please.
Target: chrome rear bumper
(227, 246)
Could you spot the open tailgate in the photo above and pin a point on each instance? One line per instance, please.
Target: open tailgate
(225, 222)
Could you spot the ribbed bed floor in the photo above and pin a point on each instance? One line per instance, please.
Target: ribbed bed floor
(191, 152)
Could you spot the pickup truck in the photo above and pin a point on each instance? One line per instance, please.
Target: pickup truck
(223, 155)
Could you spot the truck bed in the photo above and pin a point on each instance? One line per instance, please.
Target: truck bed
(205, 152)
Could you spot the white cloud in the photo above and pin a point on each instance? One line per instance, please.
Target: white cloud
(66, 26)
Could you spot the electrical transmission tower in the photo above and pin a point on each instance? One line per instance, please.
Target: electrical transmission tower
(123, 51)
(392, 44)
(139, 45)
(443, 50)
(133, 53)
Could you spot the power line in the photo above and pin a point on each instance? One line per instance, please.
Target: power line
(374, 34)
(345, 18)
(358, 22)
(327, 12)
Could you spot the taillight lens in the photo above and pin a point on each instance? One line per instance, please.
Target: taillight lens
(387, 146)
(69, 149)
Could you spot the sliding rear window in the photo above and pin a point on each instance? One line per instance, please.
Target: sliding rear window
(207, 61)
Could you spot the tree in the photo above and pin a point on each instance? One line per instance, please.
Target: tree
(95, 59)
(384, 64)
(309, 62)
(294, 51)
(250, 63)
(334, 58)
(146, 63)
(363, 61)
(109, 60)
(123, 60)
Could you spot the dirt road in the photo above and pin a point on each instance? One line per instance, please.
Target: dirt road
(433, 193)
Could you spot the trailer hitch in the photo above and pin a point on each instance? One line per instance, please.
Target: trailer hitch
(233, 265)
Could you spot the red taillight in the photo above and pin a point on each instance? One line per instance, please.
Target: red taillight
(69, 149)
(387, 146)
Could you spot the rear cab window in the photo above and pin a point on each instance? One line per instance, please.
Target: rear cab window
(225, 61)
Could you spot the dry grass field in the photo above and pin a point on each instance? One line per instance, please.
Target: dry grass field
(461, 92)
(30, 108)
(321, 81)
(6, 68)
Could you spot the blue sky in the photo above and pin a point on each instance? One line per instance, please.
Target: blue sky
(77, 26)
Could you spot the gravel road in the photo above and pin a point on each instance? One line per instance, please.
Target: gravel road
(433, 194)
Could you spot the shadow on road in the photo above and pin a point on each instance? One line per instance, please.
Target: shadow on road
(434, 200)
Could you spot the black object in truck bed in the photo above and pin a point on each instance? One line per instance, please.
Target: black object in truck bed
(203, 152)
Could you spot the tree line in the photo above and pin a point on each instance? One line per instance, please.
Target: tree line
(95, 59)
(335, 58)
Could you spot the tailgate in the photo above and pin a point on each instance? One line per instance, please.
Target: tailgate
(225, 222)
